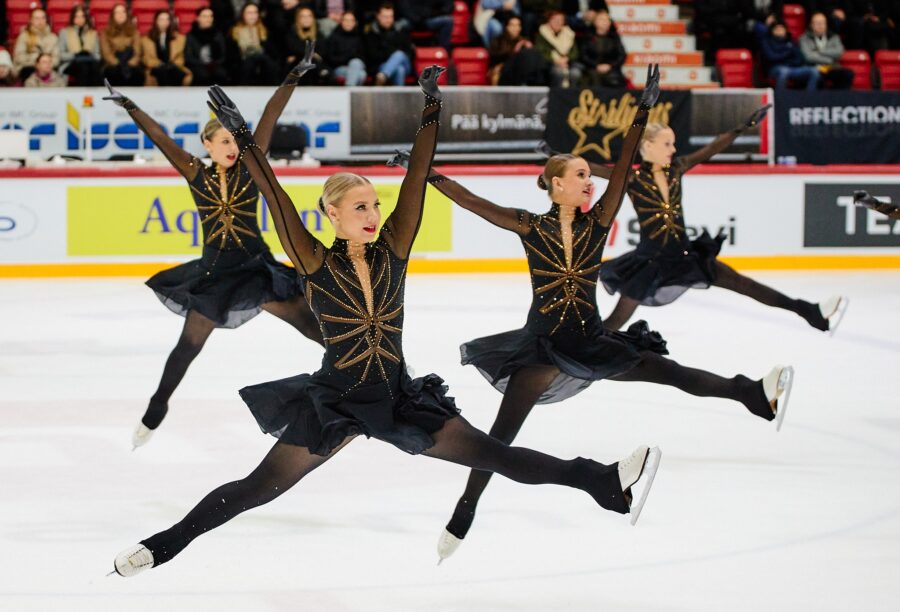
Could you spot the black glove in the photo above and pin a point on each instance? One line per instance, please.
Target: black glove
(544, 149)
(229, 116)
(400, 158)
(651, 88)
(118, 98)
(305, 65)
(757, 116)
(428, 82)
(862, 198)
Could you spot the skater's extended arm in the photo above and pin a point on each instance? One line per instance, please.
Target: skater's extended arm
(263, 133)
(862, 198)
(402, 225)
(511, 219)
(607, 207)
(722, 141)
(601, 170)
(306, 253)
(180, 159)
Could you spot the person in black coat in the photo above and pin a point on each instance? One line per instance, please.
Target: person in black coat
(603, 54)
(344, 53)
(433, 15)
(388, 50)
(205, 51)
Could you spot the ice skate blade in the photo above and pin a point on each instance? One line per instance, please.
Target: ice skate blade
(835, 318)
(648, 474)
(785, 384)
(447, 545)
(133, 561)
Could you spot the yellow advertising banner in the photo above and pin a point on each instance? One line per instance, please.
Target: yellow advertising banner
(162, 219)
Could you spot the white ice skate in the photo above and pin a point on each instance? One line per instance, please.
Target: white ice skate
(447, 545)
(637, 471)
(133, 561)
(776, 384)
(141, 435)
(833, 310)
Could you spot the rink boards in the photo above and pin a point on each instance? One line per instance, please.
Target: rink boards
(127, 221)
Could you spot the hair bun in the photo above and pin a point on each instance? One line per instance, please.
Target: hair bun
(542, 184)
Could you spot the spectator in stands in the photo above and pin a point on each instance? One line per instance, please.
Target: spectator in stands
(343, 52)
(387, 47)
(490, 15)
(7, 72)
(36, 38)
(435, 16)
(306, 28)
(205, 51)
(257, 66)
(279, 18)
(120, 46)
(603, 54)
(330, 14)
(79, 50)
(823, 49)
(781, 57)
(556, 42)
(163, 53)
(513, 59)
(44, 75)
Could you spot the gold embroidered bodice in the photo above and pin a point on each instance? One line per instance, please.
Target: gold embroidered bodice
(227, 208)
(565, 300)
(661, 222)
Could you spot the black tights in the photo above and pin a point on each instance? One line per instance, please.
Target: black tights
(528, 384)
(728, 278)
(457, 442)
(197, 329)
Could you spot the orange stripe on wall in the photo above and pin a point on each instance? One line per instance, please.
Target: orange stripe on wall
(465, 266)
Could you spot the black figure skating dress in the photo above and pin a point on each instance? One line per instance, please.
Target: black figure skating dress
(666, 263)
(363, 386)
(563, 328)
(236, 273)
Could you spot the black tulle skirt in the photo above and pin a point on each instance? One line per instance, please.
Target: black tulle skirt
(318, 411)
(601, 355)
(657, 279)
(228, 287)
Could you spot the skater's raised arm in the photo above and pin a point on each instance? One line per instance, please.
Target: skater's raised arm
(607, 207)
(263, 133)
(862, 198)
(180, 159)
(601, 170)
(402, 225)
(306, 253)
(512, 219)
(722, 141)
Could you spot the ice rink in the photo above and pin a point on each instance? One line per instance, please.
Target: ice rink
(740, 518)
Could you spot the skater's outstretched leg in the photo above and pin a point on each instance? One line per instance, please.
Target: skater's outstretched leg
(297, 312)
(281, 469)
(619, 316)
(523, 390)
(657, 369)
(194, 334)
(814, 314)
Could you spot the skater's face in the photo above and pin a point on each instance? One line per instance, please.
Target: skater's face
(574, 187)
(356, 215)
(660, 149)
(221, 148)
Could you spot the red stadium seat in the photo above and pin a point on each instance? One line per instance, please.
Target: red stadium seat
(461, 17)
(428, 56)
(888, 63)
(795, 19)
(861, 64)
(185, 19)
(735, 67)
(143, 12)
(16, 22)
(471, 65)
